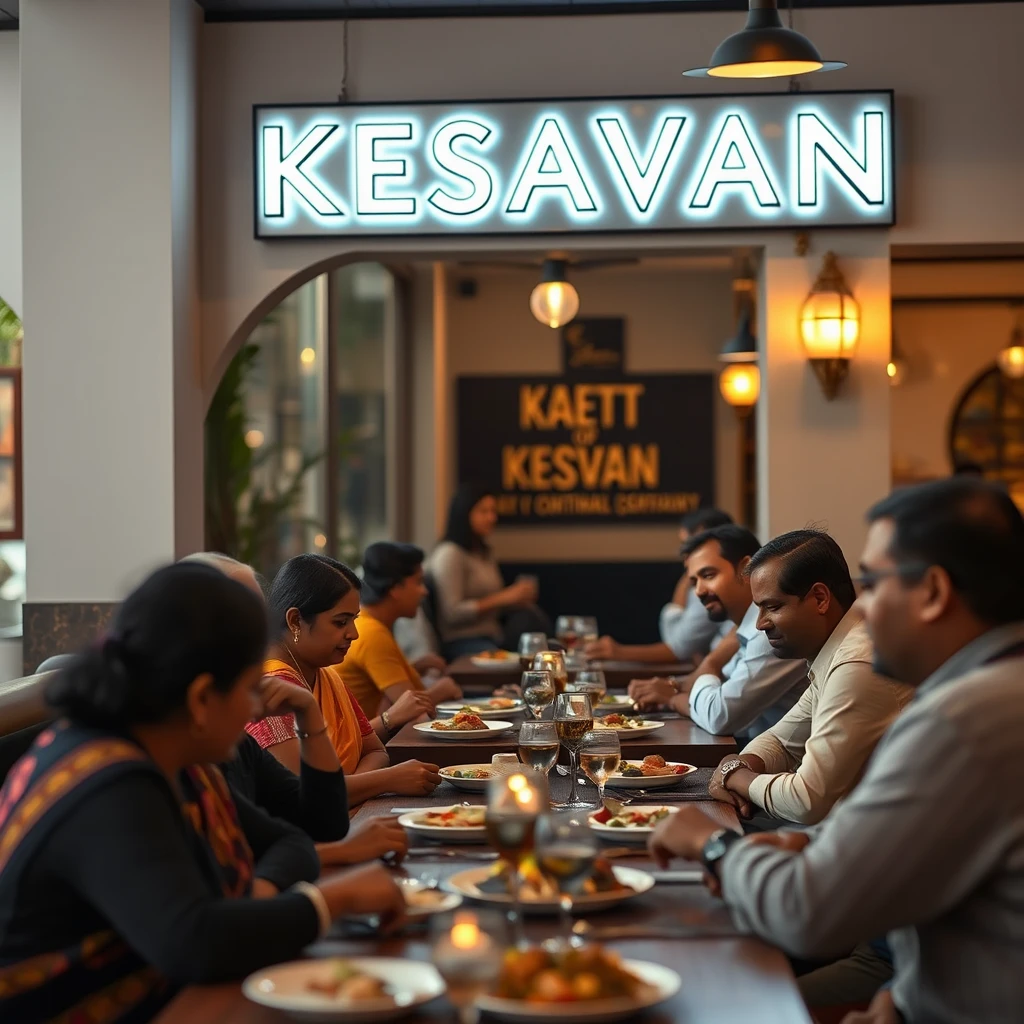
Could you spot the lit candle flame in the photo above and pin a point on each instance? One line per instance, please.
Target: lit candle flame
(465, 932)
(517, 782)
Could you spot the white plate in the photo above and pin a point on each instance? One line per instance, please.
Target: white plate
(493, 729)
(480, 708)
(627, 835)
(497, 664)
(663, 980)
(284, 988)
(466, 785)
(618, 781)
(440, 902)
(648, 726)
(465, 883)
(412, 822)
(619, 704)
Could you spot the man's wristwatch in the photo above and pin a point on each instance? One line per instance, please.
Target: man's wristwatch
(730, 766)
(716, 847)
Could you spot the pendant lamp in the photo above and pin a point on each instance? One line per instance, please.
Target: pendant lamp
(554, 301)
(764, 48)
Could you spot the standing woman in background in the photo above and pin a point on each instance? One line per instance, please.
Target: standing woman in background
(472, 599)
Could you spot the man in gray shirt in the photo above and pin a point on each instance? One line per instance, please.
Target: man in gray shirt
(930, 845)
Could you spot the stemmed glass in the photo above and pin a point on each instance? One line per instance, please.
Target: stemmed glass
(538, 745)
(592, 681)
(586, 626)
(514, 802)
(600, 755)
(468, 948)
(566, 848)
(574, 718)
(530, 645)
(553, 662)
(538, 692)
(567, 630)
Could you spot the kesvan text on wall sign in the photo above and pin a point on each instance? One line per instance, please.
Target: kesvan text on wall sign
(629, 449)
(791, 160)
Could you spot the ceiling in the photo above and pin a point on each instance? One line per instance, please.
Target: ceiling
(282, 10)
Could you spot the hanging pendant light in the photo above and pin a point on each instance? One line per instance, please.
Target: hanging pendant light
(554, 302)
(1011, 359)
(764, 48)
(740, 379)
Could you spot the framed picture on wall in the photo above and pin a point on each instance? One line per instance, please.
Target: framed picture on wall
(10, 453)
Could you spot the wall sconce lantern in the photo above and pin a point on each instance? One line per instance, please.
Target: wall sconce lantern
(1011, 359)
(740, 380)
(554, 302)
(830, 326)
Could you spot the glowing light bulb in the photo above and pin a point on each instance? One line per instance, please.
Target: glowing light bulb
(307, 356)
(254, 438)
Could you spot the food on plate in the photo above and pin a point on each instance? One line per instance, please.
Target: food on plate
(453, 817)
(494, 704)
(423, 899)
(464, 721)
(348, 984)
(496, 656)
(610, 698)
(467, 773)
(630, 819)
(652, 765)
(617, 721)
(536, 885)
(567, 976)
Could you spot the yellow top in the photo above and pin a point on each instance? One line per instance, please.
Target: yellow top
(373, 663)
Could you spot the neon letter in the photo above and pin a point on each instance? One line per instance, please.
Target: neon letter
(279, 168)
(551, 165)
(735, 163)
(642, 182)
(459, 166)
(369, 168)
(864, 173)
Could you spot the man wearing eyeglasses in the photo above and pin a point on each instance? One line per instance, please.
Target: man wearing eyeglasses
(929, 847)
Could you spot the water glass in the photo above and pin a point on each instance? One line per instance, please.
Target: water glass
(538, 692)
(553, 662)
(600, 756)
(530, 645)
(566, 848)
(592, 681)
(538, 745)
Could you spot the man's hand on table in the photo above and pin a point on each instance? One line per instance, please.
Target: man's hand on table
(726, 792)
(365, 890)
(604, 649)
(367, 841)
(682, 834)
(652, 693)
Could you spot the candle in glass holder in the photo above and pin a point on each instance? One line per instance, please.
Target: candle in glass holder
(467, 951)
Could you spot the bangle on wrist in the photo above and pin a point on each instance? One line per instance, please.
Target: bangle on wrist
(303, 735)
(316, 897)
(386, 719)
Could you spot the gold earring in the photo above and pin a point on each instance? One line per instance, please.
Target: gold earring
(295, 637)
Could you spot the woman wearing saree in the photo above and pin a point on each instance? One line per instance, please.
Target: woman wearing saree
(126, 868)
(313, 605)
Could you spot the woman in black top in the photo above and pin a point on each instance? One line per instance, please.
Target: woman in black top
(126, 869)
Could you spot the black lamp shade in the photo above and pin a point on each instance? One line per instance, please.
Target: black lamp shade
(764, 48)
(742, 346)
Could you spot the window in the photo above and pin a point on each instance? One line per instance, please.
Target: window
(299, 442)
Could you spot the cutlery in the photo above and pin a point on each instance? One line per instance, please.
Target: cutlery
(429, 807)
(585, 930)
(426, 851)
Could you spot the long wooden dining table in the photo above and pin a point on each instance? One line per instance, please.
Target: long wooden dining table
(618, 674)
(727, 978)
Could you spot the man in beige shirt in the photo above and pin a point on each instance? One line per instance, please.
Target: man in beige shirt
(799, 768)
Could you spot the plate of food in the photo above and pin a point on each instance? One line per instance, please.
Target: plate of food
(470, 778)
(605, 886)
(633, 824)
(460, 823)
(628, 723)
(487, 707)
(612, 702)
(422, 900)
(353, 989)
(497, 660)
(463, 726)
(653, 772)
(589, 985)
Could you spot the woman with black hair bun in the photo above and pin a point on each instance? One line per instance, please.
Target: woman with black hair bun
(126, 867)
(471, 594)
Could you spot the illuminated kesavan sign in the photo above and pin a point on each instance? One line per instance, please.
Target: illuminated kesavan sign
(789, 160)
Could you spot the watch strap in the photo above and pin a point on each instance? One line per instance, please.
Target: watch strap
(717, 846)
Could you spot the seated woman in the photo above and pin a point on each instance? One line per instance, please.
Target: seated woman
(375, 669)
(315, 800)
(471, 594)
(313, 604)
(126, 869)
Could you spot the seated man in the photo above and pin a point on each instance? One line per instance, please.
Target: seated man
(801, 766)
(375, 670)
(929, 847)
(741, 688)
(687, 634)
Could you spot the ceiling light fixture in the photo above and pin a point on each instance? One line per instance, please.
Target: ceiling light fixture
(554, 302)
(764, 48)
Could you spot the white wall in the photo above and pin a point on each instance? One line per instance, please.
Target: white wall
(676, 321)
(958, 101)
(10, 172)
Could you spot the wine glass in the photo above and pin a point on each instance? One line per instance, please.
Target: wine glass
(531, 644)
(567, 630)
(592, 681)
(587, 629)
(538, 745)
(514, 803)
(566, 848)
(574, 718)
(600, 755)
(538, 692)
(553, 662)
(468, 948)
